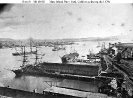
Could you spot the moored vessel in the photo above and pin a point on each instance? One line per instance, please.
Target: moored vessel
(58, 69)
(56, 48)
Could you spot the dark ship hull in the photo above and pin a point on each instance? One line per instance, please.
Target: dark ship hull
(57, 49)
(18, 72)
(69, 57)
(59, 70)
(26, 53)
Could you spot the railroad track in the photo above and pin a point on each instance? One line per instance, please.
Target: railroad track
(122, 68)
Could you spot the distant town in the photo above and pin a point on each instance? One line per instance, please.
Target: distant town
(9, 43)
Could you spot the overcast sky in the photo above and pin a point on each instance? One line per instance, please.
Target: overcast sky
(55, 21)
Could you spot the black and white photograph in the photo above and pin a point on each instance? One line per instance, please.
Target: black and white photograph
(82, 50)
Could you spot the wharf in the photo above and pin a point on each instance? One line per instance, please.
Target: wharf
(6, 92)
(71, 92)
(74, 69)
(4, 96)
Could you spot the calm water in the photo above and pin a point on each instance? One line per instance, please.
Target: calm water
(29, 83)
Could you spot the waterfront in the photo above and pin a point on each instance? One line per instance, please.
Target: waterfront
(29, 83)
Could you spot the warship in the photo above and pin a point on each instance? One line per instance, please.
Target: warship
(57, 69)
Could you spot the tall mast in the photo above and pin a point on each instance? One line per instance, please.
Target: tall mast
(22, 48)
(24, 57)
(30, 46)
(36, 59)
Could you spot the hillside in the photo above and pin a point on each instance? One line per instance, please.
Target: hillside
(7, 42)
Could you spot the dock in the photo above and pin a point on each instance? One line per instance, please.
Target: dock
(4, 96)
(72, 92)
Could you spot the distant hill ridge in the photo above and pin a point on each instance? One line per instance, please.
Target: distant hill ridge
(66, 39)
(8, 42)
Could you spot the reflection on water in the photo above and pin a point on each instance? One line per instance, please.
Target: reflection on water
(29, 83)
(86, 86)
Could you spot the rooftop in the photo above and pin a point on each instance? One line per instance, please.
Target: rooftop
(125, 45)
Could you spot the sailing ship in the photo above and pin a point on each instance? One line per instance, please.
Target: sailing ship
(20, 70)
(28, 68)
(21, 52)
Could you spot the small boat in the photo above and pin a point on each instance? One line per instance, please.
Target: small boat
(19, 53)
(1, 45)
(58, 48)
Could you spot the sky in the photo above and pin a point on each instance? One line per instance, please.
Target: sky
(58, 21)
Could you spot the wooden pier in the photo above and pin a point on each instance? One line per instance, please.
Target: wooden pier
(58, 91)
(6, 92)
(5, 96)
